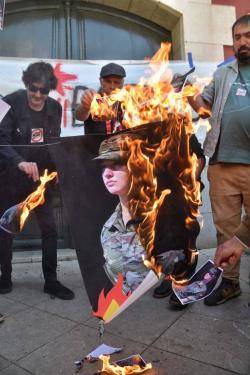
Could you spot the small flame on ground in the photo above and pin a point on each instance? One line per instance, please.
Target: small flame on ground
(36, 198)
(118, 370)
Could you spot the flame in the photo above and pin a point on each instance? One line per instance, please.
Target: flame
(204, 112)
(165, 155)
(154, 102)
(144, 203)
(118, 370)
(36, 198)
(151, 100)
(109, 304)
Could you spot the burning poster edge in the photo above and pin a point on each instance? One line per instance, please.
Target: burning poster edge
(150, 280)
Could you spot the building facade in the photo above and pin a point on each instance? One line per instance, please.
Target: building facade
(118, 29)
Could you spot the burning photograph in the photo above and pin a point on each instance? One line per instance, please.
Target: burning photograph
(200, 285)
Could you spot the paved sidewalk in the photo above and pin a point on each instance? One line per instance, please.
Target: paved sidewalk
(42, 336)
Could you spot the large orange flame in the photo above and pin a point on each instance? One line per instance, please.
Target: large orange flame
(151, 100)
(144, 203)
(36, 198)
(165, 150)
(118, 370)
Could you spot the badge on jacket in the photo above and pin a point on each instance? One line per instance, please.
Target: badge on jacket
(37, 135)
(241, 92)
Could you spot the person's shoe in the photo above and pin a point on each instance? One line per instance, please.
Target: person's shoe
(185, 269)
(163, 290)
(1, 318)
(175, 303)
(227, 290)
(5, 286)
(56, 289)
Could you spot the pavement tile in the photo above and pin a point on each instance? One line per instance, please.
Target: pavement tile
(244, 273)
(69, 274)
(28, 281)
(167, 363)
(58, 356)
(14, 370)
(10, 307)
(28, 284)
(29, 292)
(236, 309)
(144, 321)
(220, 342)
(78, 309)
(3, 362)
(40, 335)
(26, 331)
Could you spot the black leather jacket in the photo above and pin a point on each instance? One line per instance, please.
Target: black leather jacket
(15, 129)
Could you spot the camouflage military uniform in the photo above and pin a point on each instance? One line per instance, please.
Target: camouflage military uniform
(123, 251)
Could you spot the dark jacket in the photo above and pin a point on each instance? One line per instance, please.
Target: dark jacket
(15, 129)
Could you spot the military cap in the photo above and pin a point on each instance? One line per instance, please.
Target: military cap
(110, 148)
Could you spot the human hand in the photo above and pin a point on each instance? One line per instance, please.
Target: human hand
(87, 98)
(30, 169)
(228, 253)
(177, 79)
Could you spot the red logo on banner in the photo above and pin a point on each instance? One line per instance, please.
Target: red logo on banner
(62, 78)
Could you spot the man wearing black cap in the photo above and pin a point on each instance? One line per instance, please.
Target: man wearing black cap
(111, 77)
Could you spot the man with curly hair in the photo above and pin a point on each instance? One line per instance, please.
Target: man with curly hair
(33, 120)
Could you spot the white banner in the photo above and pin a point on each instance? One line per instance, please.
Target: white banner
(75, 76)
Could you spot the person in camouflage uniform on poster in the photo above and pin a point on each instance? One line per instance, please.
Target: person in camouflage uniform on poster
(122, 248)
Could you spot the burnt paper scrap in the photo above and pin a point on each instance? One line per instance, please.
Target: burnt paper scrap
(102, 349)
(132, 360)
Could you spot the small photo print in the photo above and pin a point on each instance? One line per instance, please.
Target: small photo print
(200, 285)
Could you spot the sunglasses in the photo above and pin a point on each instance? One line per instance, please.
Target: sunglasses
(43, 90)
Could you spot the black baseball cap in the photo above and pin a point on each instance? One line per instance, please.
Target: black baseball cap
(112, 69)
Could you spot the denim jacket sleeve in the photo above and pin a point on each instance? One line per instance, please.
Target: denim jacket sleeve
(209, 92)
